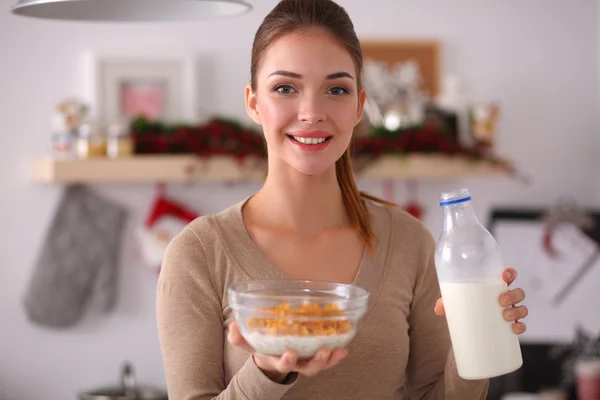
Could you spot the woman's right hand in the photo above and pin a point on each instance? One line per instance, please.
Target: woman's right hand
(278, 368)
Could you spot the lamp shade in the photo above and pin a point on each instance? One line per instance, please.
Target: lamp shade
(130, 10)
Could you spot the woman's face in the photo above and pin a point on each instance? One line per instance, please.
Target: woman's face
(306, 100)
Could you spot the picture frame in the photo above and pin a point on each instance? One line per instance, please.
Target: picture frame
(427, 54)
(554, 285)
(159, 84)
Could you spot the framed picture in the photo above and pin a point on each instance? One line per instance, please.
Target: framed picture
(159, 85)
(426, 53)
(561, 282)
(401, 77)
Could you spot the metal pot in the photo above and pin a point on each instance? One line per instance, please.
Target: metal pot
(127, 391)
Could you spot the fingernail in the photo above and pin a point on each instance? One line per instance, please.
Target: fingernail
(506, 299)
(510, 315)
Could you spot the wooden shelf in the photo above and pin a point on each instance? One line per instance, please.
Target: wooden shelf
(186, 168)
(429, 166)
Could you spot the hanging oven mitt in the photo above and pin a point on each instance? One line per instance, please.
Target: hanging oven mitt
(79, 258)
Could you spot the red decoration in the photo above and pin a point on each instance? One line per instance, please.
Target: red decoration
(226, 137)
(221, 136)
(412, 206)
(414, 209)
(163, 206)
(217, 137)
(166, 219)
(565, 211)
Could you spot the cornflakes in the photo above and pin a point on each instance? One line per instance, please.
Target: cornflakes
(293, 327)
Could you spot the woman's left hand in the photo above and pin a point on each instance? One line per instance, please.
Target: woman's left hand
(509, 299)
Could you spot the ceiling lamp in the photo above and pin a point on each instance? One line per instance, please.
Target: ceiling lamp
(130, 10)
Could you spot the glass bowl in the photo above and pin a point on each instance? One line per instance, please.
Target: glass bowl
(300, 315)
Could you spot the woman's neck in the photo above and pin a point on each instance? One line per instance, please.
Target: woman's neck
(294, 201)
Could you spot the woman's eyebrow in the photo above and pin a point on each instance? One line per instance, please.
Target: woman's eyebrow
(295, 75)
(339, 75)
(286, 73)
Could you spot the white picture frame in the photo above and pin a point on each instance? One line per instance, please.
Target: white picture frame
(160, 83)
(560, 284)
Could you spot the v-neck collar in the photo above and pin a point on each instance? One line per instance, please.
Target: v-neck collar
(256, 266)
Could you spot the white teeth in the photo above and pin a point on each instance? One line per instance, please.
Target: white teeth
(309, 140)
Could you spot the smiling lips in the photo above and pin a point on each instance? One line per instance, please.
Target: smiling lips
(310, 140)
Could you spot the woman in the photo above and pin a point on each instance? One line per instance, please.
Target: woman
(309, 221)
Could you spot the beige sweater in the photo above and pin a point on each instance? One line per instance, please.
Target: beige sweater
(401, 348)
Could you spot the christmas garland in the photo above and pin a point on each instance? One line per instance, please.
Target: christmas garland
(225, 136)
(425, 138)
(220, 136)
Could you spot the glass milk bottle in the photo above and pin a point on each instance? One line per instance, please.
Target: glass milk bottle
(469, 268)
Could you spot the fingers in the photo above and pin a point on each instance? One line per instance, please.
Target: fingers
(235, 337)
(519, 327)
(509, 275)
(512, 297)
(314, 365)
(289, 362)
(515, 313)
(438, 309)
(337, 356)
(324, 359)
(286, 363)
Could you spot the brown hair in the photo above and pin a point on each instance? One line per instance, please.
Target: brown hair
(297, 15)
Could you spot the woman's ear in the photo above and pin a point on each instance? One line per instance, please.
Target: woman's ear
(251, 104)
(362, 97)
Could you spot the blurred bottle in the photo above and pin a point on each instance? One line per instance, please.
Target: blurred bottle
(587, 375)
(120, 142)
(454, 97)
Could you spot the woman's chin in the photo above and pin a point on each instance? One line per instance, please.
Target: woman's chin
(313, 168)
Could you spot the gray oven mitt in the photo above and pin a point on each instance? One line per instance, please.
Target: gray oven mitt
(79, 258)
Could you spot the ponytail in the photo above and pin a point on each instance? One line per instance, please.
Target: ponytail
(353, 199)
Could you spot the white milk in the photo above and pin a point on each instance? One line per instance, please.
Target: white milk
(305, 346)
(483, 341)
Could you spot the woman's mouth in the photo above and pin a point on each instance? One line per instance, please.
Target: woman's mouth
(310, 143)
(309, 140)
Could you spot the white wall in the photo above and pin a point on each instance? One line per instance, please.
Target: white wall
(539, 58)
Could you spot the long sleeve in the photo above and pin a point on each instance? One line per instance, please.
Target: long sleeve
(431, 372)
(191, 333)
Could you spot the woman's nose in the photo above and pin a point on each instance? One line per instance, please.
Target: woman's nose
(311, 110)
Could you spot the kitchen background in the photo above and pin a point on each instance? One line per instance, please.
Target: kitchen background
(538, 59)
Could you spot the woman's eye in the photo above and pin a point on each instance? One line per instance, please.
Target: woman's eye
(285, 89)
(338, 91)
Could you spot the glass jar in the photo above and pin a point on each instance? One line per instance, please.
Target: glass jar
(120, 141)
(62, 139)
(91, 141)
(62, 144)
